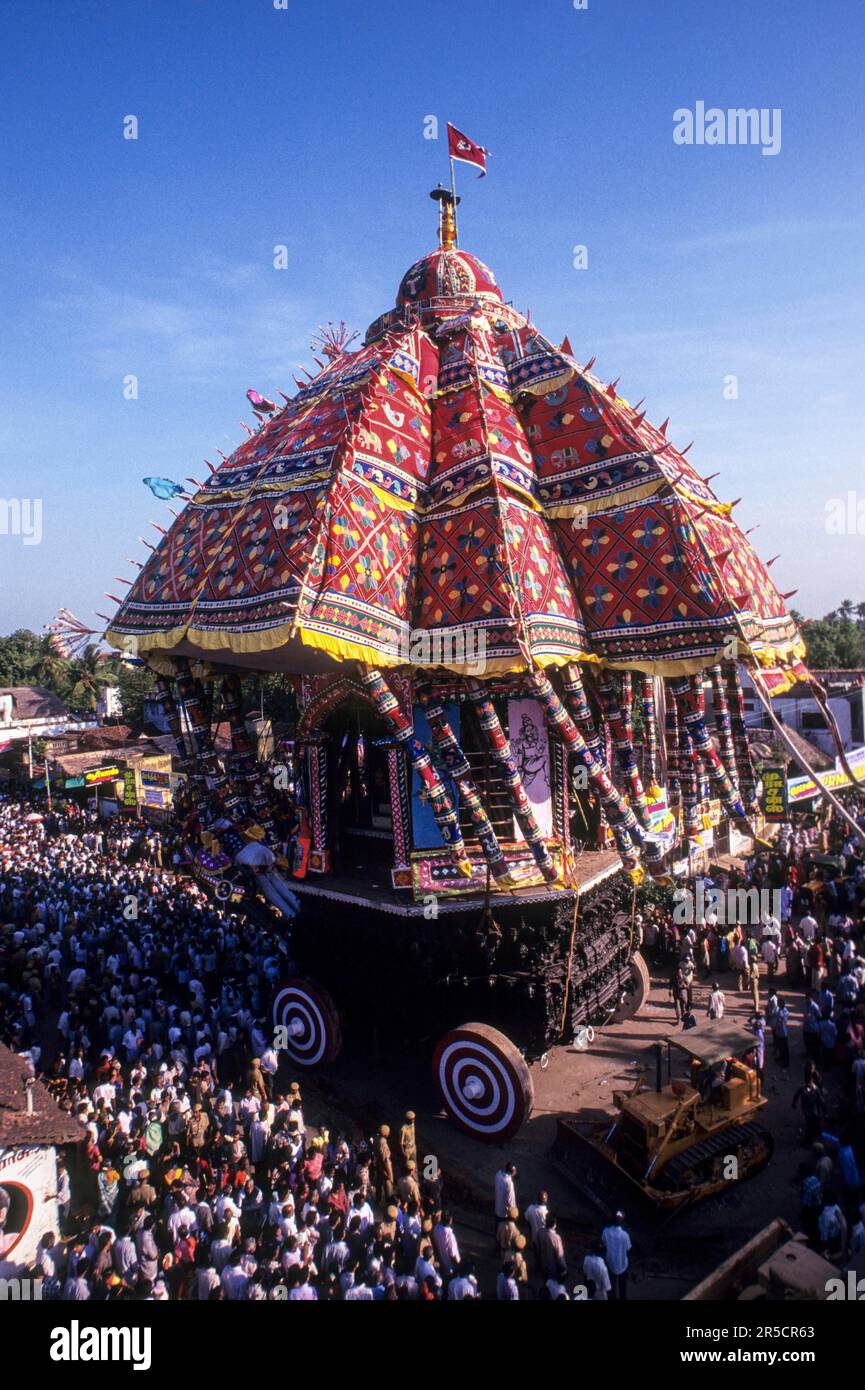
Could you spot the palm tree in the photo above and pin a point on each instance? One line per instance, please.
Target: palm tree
(92, 673)
(48, 668)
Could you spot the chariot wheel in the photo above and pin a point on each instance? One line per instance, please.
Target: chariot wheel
(636, 991)
(313, 1033)
(483, 1082)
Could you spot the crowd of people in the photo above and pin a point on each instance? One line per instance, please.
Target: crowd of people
(198, 1176)
(143, 1006)
(806, 935)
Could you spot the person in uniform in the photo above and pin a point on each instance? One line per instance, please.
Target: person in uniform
(383, 1166)
(507, 1233)
(408, 1141)
(407, 1187)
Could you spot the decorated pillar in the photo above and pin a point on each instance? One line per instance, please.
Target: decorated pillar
(722, 724)
(561, 795)
(614, 806)
(650, 731)
(225, 797)
(454, 761)
(623, 742)
(500, 752)
(687, 767)
(316, 768)
(401, 727)
(246, 764)
(624, 824)
(744, 767)
(400, 815)
(672, 741)
(172, 715)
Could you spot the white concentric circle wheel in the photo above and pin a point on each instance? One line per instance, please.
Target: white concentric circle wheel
(483, 1082)
(311, 1021)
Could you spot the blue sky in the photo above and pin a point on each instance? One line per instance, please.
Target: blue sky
(304, 127)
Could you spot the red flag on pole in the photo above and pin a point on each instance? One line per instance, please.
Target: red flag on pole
(462, 148)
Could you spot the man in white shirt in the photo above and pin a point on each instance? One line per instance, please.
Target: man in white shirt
(465, 1285)
(506, 1194)
(617, 1245)
(424, 1268)
(233, 1280)
(536, 1214)
(769, 952)
(181, 1221)
(445, 1244)
(808, 927)
(594, 1268)
(717, 1003)
(105, 1092)
(771, 926)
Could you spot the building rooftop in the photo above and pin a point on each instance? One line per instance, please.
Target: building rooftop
(73, 764)
(46, 1123)
(34, 702)
(836, 681)
(765, 745)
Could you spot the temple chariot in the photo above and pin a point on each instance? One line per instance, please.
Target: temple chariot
(478, 565)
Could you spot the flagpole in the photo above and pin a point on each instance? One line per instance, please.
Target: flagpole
(454, 197)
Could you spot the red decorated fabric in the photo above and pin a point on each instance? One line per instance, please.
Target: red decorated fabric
(458, 473)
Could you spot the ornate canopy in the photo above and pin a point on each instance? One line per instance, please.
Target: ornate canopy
(462, 475)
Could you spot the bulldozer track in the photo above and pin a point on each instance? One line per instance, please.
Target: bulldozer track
(730, 1141)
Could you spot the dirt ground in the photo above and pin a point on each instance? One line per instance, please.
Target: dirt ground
(671, 1254)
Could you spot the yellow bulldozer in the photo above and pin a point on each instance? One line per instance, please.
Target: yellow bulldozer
(681, 1141)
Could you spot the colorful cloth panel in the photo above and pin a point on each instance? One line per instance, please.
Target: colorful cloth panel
(477, 437)
(762, 619)
(454, 395)
(646, 590)
(775, 680)
(468, 356)
(391, 442)
(225, 569)
(489, 568)
(583, 452)
(342, 376)
(233, 565)
(535, 366)
(358, 587)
